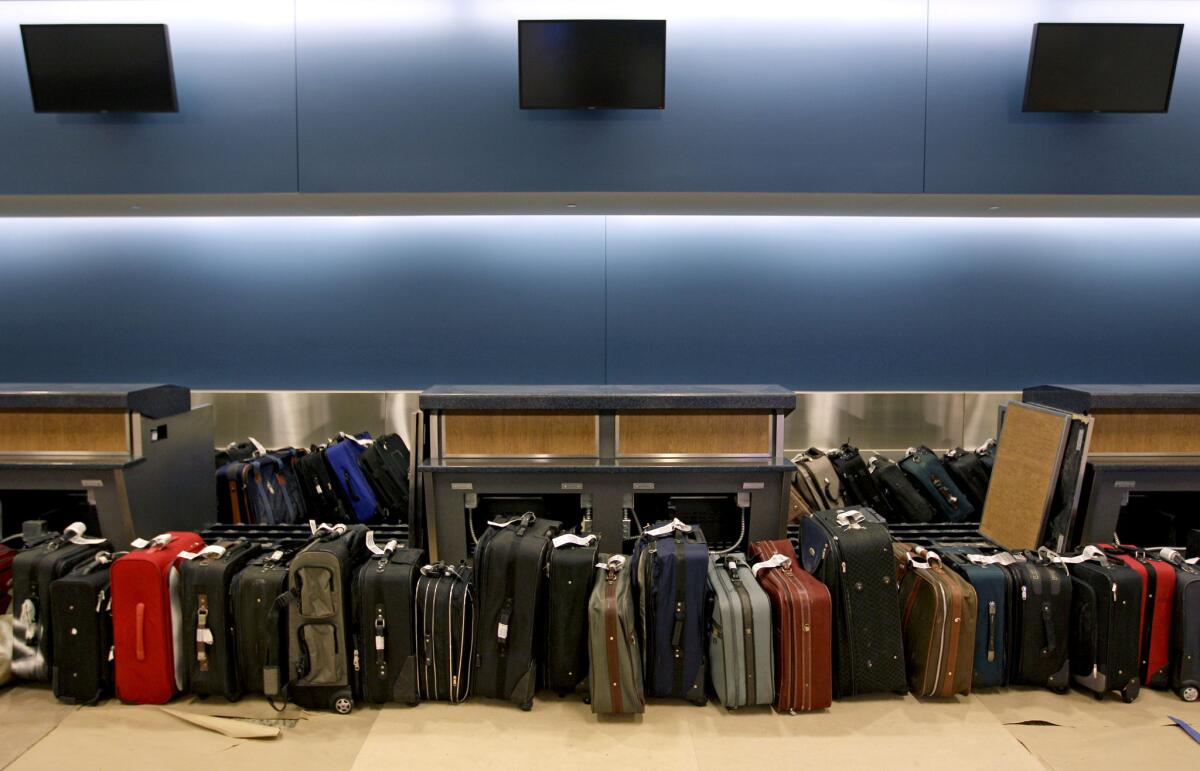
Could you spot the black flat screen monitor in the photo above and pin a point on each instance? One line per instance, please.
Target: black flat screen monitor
(572, 65)
(99, 67)
(1102, 67)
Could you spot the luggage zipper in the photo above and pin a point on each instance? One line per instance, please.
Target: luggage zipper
(747, 628)
(991, 649)
(944, 606)
(610, 628)
(803, 599)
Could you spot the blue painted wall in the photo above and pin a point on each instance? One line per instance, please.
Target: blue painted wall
(809, 302)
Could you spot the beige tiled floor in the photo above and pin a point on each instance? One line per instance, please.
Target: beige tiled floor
(1013, 729)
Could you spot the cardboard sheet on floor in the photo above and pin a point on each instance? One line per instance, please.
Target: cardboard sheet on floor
(1076, 709)
(234, 729)
(1081, 749)
(27, 713)
(249, 708)
(1028, 456)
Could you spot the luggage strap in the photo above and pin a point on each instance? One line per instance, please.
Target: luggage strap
(776, 561)
(570, 539)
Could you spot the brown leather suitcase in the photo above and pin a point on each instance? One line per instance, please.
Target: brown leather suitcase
(938, 611)
(803, 620)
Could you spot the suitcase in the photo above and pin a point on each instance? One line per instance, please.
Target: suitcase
(385, 633)
(906, 503)
(670, 575)
(739, 641)
(320, 671)
(206, 584)
(148, 643)
(261, 490)
(850, 551)
(931, 479)
(859, 488)
(83, 632)
(322, 496)
(445, 611)
(34, 569)
(1157, 611)
(1105, 613)
(342, 457)
(260, 634)
(385, 464)
(967, 471)
(510, 570)
(803, 625)
(816, 481)
(615, 683)
(993, 587)
(939, 611)
(1185, 635)
(986, 453)
(569, 582)
(8, 551)
(1039, 622)
(6, 641)
(1064, 501)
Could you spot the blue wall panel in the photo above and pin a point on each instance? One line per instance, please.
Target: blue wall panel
(329, 303)
(882, 304)
(236, 126)
(979, 141)
(760, 96)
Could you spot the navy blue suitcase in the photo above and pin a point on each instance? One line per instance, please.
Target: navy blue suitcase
(993, 585)
(935, 483)
(342, 457)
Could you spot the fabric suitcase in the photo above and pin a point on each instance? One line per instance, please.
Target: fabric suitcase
(1039, 630)
(739, 642)
(851, 553)
(930, 477)
(385, 646)
(83, 632)
(569, 580)
(816, 481)
(859, 488)
(614, 657)
(258, 629)
(445, 611)
(1105, 615)
(670, 574)
(148, 643)
(993, 588)
(322, 496)
(206, 583)
(803, 626)
(905, 502)
(967, 471)
(385, 464)
(33, 571)
(7, 553)
(987, 456)
(343, 456)
(1158, 610)
(939, 611)
(1185, 627)
(510, 571)
(6, 646)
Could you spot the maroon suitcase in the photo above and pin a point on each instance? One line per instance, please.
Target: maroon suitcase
(6, 560)
(1158, 608)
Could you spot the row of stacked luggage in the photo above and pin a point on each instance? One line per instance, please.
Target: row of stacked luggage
(920, 487)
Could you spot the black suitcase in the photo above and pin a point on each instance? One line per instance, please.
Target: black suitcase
(1105, 617)
(83, 636)
(986, 453)
(930, 477)
(851, 553)
(510, 570)
(569, 580)
(1185, 626)
(258, 629)
(322, 495)
(208, 633)
(905, 502)
(858, 486)
(1064, 502)
(385, 636)
(968, 473)
(1039, 631)
(385, 464)
(445, 611)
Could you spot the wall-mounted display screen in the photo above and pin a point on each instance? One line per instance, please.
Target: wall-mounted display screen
(99, 67)
(1102, 67)
(592, 64)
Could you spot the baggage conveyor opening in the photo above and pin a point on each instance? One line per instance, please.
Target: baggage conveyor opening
(573, 510)
(722, 517)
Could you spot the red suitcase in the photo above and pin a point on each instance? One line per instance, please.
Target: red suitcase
(1158, 607)
(145, 610)
(6, 560)
(803, 621)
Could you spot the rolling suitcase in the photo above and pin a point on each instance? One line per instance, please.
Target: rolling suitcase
(1105, 613)
(906, 503)
(670, 569)
(816, 481)
(385, 464)
(1158, 609)
(859, 488)
(7, 553)
(322, 496)
(569, 581)
(259, 630)
(967, 471)
(614, 658)
(739, 642)
(206, 583)
(803, 626)
(33, 571)
(148, 642)
(342, 457)
(1185, 635)
(930, 477)
(850, 551)
(993, 588)
(938, 618)
(510, 571)
(1039, 622)
(445, 611)
(385, 633)
(83, 632)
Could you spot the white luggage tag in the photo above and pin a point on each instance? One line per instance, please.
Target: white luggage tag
(775, 561)
(1002, 558)
(212, 551)
(355, 439)
(158, 541)
(851, 519)
(615, 562)
(1088, 553)
(205, 636)
(74, 533)
(930, 558)
(388, 548)
(570, 539)
(672, 526)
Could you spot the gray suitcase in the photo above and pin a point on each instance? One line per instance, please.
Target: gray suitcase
(615, 660)
(740, 646)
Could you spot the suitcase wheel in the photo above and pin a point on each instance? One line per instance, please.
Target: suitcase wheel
(343, 704)
(1130, 692)
(527, 706)
(1062, 689)
(1189, 693)
(588, 699)
(1099, 695)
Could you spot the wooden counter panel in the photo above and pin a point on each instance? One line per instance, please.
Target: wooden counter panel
(63, 431)
(694, 433)
(1146, 431)
(518, 434)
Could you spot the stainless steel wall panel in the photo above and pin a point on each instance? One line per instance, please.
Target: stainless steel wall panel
(884, 421)
(292, 418)
(981, 412)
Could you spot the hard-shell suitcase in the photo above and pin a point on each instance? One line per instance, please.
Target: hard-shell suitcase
(993, 588)
(1158, 610)
(670, 568)
(967, 471)
(206, 583)
(931, 478)
(939, 610)
(1038, 627)
(1105, 613)
(258, 629)
(850, 551)
(569, 580)
(385, 464)
(510, 572)
(859, 488)
(322, 496)
(34, 570)
(614, 656)
(906, 502)
(1185, 627)
(1064, 501)
(739, 642)
(385, 632)
(342, 457)
(445, 610)
(803, 625)
(148, 643)
(83, 632)
(817, 481)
